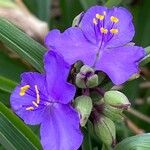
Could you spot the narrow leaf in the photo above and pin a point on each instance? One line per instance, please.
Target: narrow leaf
(111, 3)
(22, 44)
(14, 134)
(140, 142)
(88, 3)
(6, 84)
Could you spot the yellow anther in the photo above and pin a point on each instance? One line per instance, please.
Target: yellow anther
(94, 21)
(37, 94)
(23, 90)
(100, 17)
(114, 19)
(114, 31)
(30, 108)
(35, 104)
(103, 30)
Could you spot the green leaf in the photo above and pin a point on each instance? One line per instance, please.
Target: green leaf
(14, 134)
(88, 3)
(22, 44)
(138, 142)
(6, 84)
(111, 3)
(40, 8)
(146, 59)
(44, 9)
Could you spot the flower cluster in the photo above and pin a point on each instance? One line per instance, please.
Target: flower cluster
(101, 42)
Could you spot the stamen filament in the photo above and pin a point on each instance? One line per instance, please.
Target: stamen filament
(37, 94)
(94, 21)
(35, 104)
(30, 108)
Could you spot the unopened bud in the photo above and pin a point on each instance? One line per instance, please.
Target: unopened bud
(113, 113)
(86, 77)
(92, 81)
(83, 105)
(116, 99)
(105, 130)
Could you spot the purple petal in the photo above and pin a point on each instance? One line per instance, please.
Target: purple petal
(87, 25)
(60, 129)
(20, 103)
(120, 63)
(72, 44)
(124, 25)
(57, 71)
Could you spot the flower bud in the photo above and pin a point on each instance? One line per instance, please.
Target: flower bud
(86, 78)
(92, 81)
(113, 113)
(105, 130)
(83, 105)
(116, 99)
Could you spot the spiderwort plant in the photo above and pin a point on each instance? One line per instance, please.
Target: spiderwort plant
(101, 41)
(45, 99)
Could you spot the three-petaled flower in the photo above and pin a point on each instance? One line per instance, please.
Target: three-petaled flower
(101, 41)
(45, 99)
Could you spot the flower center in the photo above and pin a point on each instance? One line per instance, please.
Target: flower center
(35, 103)
(104, 33)
(104, 30)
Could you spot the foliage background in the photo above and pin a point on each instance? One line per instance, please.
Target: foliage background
(60, 14)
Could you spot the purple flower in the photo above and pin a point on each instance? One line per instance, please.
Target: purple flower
(101, 41)
(45, 99)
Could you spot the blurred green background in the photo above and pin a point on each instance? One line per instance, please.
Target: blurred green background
(60, 14)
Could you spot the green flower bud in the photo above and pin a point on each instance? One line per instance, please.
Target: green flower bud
(116, 99)
(105, 130)
(80, 82)
(86, 69)
(86, 77)
(92, 81)
(113, 113)
(83, 105)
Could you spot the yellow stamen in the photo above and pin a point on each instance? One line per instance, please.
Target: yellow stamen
(37, 94)
(35, 104)
(103, 30)
(114, 19)
(30, 108)
(94, 21)
(23, 90)
(114, 31)
(100, 17)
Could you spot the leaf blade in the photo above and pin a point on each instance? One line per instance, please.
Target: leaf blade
(15, 133)
(22, 44)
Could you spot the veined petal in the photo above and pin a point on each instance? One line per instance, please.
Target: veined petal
(87, 24)
(120, 29)
(120, 63)
(72, 44)
(57, 71)
(21, 101)
(60, 129)
(124, 26)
